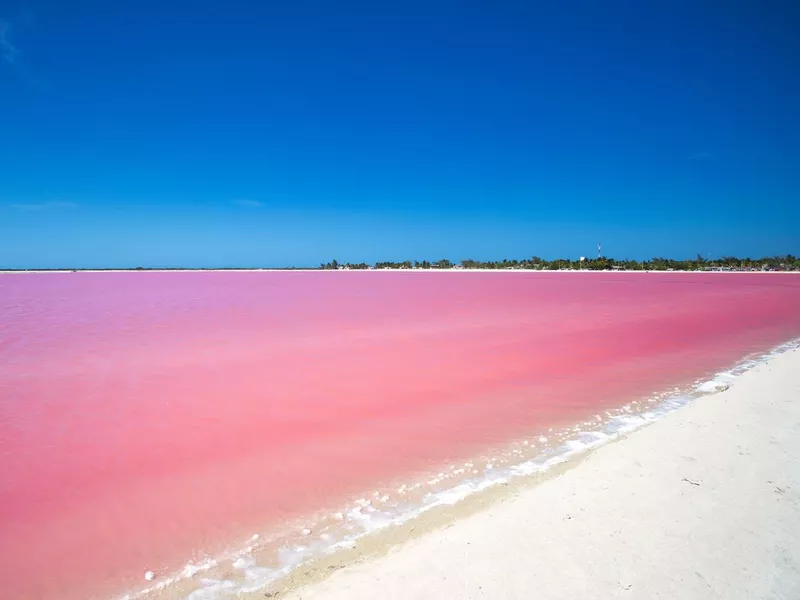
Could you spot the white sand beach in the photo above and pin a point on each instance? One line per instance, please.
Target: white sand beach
(704, 503)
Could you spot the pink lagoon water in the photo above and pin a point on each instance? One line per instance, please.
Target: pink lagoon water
(146, 418)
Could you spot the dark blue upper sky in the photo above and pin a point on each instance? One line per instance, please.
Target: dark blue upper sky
(262, 133)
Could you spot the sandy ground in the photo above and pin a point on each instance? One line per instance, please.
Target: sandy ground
(702, 504)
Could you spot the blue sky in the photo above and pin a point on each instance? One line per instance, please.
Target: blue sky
(265, 134)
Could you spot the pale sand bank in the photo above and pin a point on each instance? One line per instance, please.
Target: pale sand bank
(704, 503)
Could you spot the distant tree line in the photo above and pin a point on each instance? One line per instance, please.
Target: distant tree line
(726, 263)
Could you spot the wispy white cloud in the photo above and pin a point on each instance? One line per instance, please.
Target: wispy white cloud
(698, 156)
(7, 49)
(249, 203)
(44, 206)
(11, 55)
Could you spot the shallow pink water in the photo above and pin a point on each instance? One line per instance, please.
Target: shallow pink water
(147, 416)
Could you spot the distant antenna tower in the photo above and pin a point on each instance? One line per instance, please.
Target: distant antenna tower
(599, 250)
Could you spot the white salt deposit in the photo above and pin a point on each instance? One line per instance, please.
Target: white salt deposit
(190, 570)
(713, 386)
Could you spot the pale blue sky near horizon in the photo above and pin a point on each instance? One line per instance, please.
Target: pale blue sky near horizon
(264, 134)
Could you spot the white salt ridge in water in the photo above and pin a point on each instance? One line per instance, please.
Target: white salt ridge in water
(363, 518)
(190, 570)
(244, 563)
